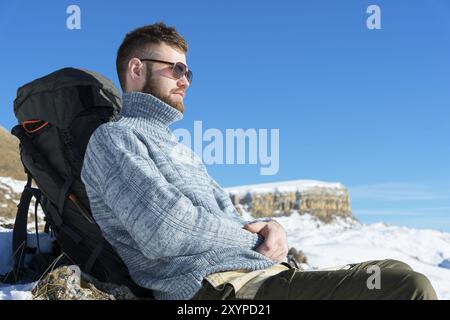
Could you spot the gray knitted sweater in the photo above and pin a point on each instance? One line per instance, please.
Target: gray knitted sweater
(154, 201)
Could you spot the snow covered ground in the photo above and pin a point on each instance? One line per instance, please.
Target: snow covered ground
(347, 241)
(12, 189)
(11, 185)
(328, 245)
(20, 291)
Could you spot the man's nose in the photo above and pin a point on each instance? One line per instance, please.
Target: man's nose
(183, 82)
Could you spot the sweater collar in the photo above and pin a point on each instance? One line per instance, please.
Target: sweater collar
(148, 108)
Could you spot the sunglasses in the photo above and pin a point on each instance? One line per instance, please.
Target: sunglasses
(179, 69)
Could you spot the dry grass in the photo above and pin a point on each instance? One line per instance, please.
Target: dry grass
(10, 165)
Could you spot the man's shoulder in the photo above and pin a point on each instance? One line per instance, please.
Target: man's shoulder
(112, 133)
(107, 142)
(114, 139)
(113, 128)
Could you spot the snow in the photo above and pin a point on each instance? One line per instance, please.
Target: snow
(330, 245)
(347, 241)
(45, 243)
(285, 186)
(13, 185)
(18, 291)
(12, 189)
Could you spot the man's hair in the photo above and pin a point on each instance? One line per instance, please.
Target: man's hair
(137, 42)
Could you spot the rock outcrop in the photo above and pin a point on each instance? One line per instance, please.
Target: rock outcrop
(320, 199)
(69, 283)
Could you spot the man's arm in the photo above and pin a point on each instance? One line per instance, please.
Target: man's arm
(275, 245)
(161, 220)
(224, 201)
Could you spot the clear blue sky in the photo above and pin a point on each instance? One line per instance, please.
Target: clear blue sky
(367, 108)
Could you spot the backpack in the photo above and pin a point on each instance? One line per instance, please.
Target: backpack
(57, 115)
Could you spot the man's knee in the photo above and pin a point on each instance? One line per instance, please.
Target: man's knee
(393, 264)
(382, 264)
(418, 287)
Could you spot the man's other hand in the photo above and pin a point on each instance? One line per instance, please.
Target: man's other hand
(275, 244)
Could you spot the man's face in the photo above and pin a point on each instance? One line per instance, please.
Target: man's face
(159, 80)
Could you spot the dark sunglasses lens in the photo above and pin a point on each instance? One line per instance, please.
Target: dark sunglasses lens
(179, 70)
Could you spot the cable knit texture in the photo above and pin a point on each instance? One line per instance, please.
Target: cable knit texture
(154, 201)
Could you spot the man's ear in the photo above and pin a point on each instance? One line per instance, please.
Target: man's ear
(135, 69)
(135, 77)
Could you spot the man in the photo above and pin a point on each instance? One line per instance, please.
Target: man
(172, 224)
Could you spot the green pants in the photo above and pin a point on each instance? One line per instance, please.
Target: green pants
(397, 281)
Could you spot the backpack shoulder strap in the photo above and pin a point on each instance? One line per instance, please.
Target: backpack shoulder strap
(19, 241)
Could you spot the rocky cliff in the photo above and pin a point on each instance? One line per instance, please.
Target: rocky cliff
(321, 199)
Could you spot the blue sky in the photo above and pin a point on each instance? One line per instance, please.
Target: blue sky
(367, 108)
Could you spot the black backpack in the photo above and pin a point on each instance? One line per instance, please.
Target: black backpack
(57, 115)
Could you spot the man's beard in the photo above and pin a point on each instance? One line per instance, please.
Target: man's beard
(152, 88)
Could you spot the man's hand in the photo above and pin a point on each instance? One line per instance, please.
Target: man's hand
(275, 245)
